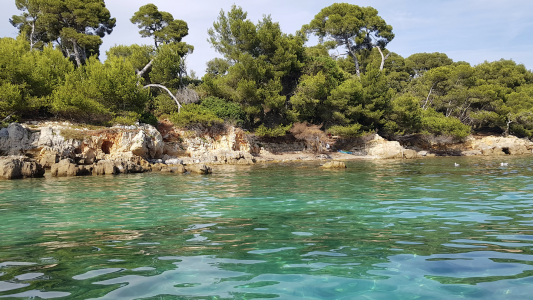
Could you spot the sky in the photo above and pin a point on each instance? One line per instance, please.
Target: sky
(466, 30)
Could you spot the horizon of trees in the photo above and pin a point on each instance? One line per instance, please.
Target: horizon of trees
(265, 80)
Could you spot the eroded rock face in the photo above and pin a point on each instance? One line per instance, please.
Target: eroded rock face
(12, 167)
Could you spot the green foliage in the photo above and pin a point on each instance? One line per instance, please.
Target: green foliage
(277, 131)
(264, 63)
(347, 131)
(406, 115)
(76, 25)
(351, 26)
(164, 105)
(159, 24)
(99, 90)
(194, 114)
(28, 77)
(437, 124)
(225, 110)
(419, 63)
(148, 118)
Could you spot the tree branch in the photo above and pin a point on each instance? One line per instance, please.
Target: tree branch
(168, 91)
(383, 58)
(148, 65)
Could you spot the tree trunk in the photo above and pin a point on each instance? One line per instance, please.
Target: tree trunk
(31, 35)
(427, 99)
(356, 62)
(383, 58)
(141, 72)
(168, 91)
(76, 52)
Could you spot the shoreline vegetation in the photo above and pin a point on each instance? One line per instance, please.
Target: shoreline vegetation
(269, 97)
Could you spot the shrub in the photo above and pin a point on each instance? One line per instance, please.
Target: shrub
(164, 105)
(127, 118)
(346, 131)
(309, 132)
(272, 132)
(148, 118)
(229, 111)
(194, 114)
(436, 123)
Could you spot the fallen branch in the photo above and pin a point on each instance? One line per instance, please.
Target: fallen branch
(168, 91)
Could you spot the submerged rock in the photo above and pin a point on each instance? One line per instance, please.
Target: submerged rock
(334, 165)
(199, 169)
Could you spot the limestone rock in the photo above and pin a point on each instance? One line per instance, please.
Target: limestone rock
(199, 169)
(174, 169)
(15, 167)
(378, 147)
(65, 167)
(410, 154)
(48, 159)
(334, 165)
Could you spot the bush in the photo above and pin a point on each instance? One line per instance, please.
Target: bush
(436, 123)
(164, 105)
(346, 131)
(309, 132)
(229, 111)
(148, 118)
(272, 132)
(194, 114)
(127, 118)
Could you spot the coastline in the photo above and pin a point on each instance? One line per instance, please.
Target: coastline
(62, 149)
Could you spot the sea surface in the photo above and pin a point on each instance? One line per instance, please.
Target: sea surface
(412, 229)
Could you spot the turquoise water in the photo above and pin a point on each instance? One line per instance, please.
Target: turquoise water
(420, 229)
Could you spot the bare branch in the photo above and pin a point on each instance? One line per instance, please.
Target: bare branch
(168, 91)
(141, 72)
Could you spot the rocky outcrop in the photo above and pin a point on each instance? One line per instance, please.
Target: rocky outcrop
(334, 165)
(13, 167)
(497, 146)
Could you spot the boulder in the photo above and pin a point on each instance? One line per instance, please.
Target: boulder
(64, 168)
(199, 169)
(334, 165)
(16, 167)
(48, 159)
(471, 153)
(410, 154)
(105, 167)
(381, 148)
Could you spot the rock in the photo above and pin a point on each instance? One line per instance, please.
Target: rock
(13, 167)
(32, 170)
(105, 167)
(422, 153)
(174, 161)
(174, 169)
(64, 168)
(199, 169)
(334, 165)
(410, 154)
(381, 148)
(471, 153)
(48, 159)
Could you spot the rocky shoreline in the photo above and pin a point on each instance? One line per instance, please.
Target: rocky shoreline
(31, 149)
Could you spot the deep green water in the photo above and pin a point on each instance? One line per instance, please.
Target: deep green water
(420, 229)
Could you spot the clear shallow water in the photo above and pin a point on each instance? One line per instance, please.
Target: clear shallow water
(419, 229)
